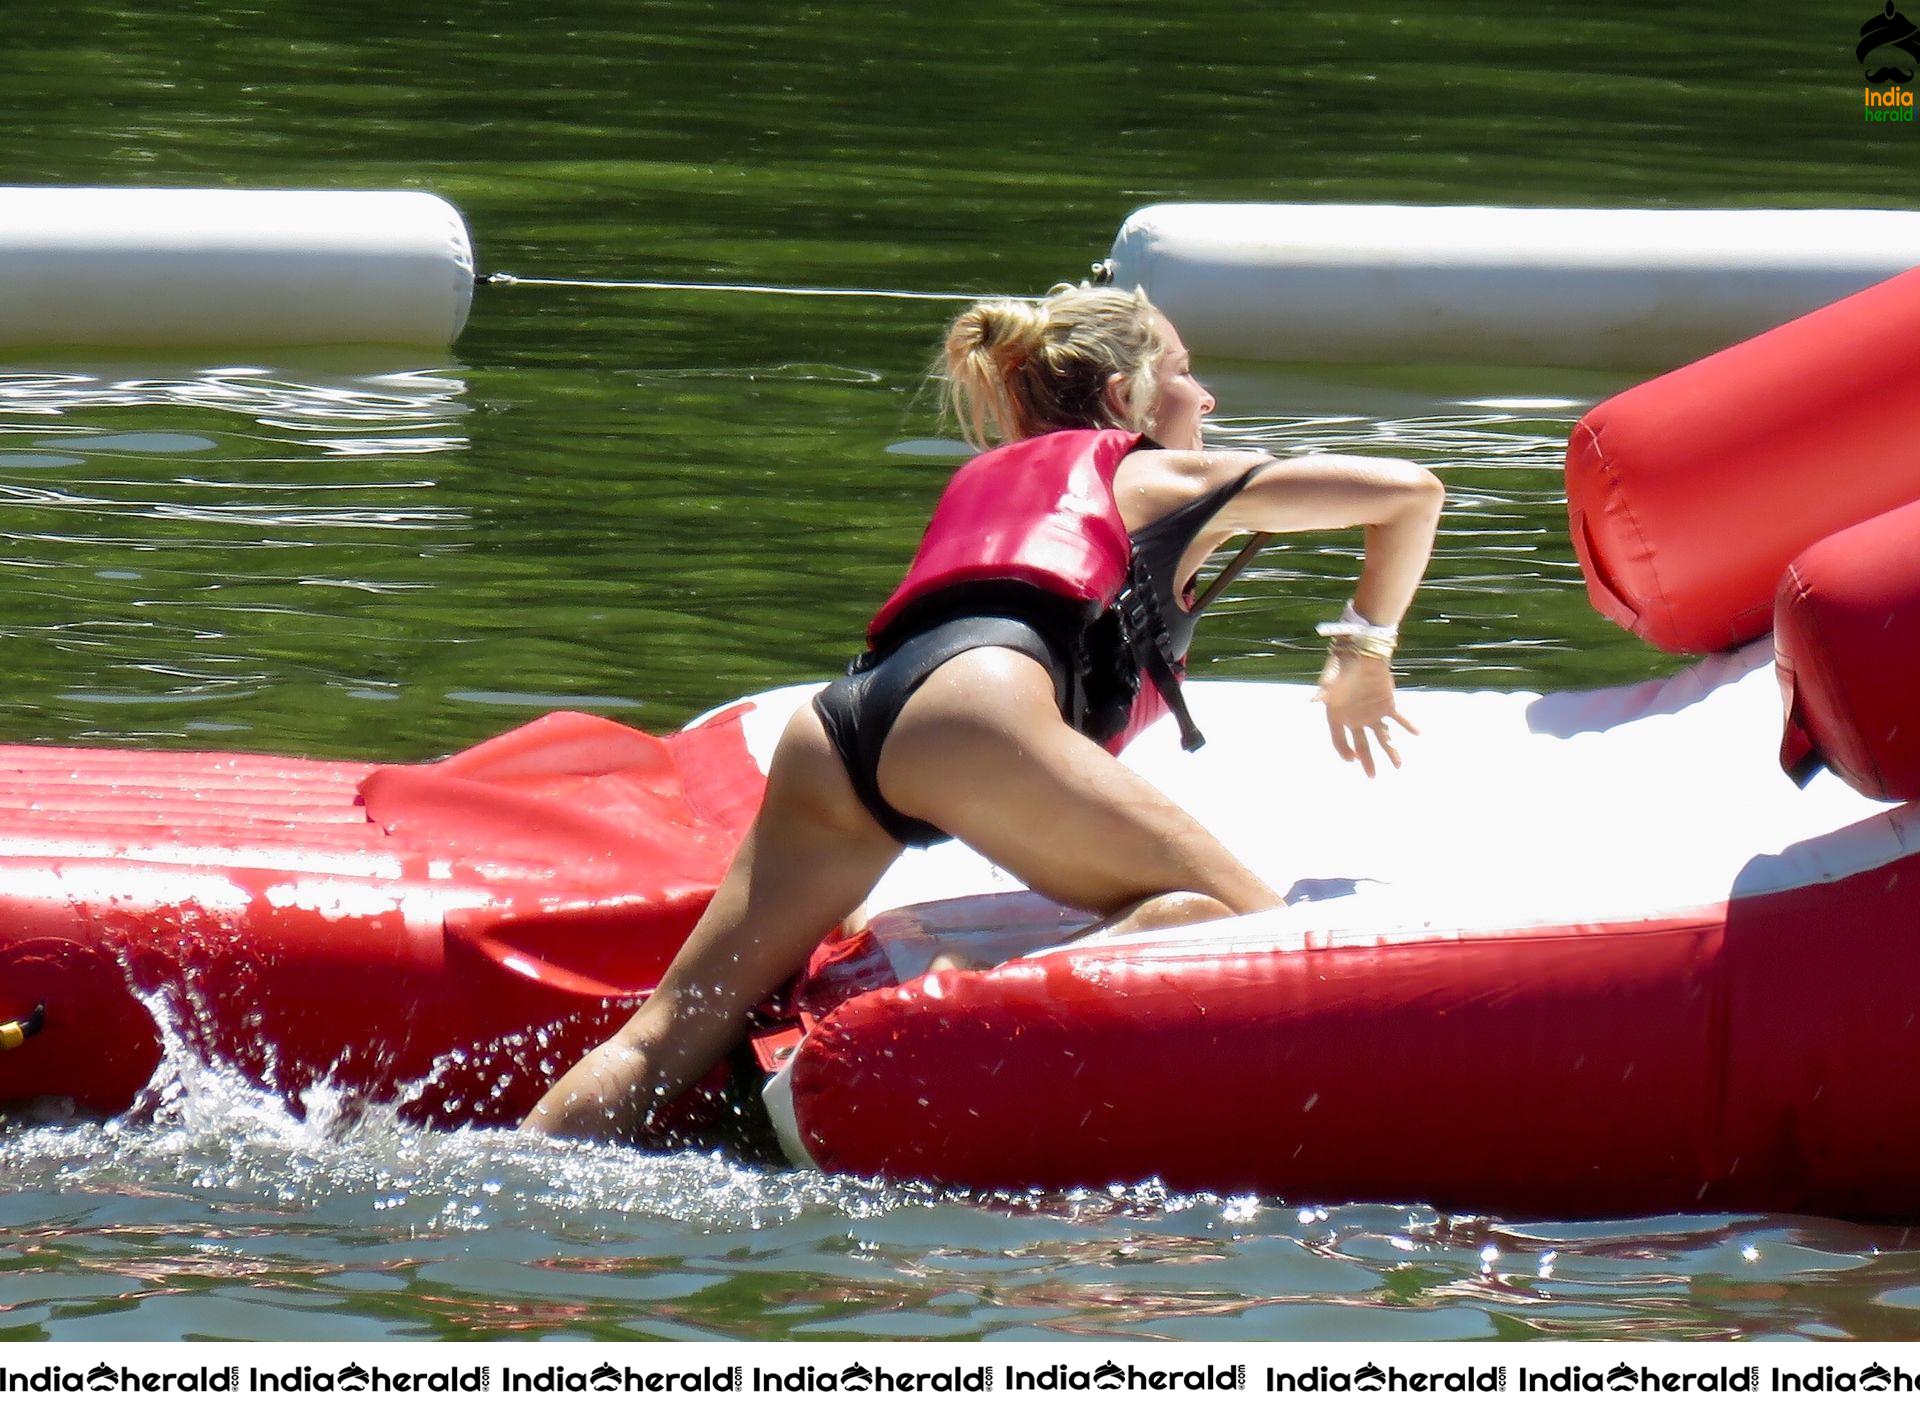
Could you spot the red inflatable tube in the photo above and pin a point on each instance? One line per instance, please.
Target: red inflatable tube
(449, 935)
(1847, 648)
(1689, 494)
(1709, 1061)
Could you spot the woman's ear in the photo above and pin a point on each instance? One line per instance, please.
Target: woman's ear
(1114, 395)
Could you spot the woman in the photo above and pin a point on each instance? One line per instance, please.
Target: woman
(1002, 660)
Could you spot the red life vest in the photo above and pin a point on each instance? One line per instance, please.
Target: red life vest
(1038, 512)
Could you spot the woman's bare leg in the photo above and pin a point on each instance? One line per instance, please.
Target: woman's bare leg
(1168, 909)
(981, 752)
(813, 853)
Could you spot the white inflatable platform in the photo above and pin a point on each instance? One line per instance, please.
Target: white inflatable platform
(1636, 289)
(1513, 810)
(141, 268)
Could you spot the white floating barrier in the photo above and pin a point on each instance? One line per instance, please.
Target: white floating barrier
(115, 268)
(1481, 284)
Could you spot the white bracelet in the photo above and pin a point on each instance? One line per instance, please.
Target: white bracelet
(1356, 634)
(1351, 614)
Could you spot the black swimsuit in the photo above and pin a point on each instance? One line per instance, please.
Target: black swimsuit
(859, 709)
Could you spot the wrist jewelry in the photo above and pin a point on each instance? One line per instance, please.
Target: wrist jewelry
(1353, 633)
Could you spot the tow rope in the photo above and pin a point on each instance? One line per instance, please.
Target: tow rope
(673, 286)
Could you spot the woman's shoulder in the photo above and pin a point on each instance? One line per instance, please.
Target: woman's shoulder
(1155, 480)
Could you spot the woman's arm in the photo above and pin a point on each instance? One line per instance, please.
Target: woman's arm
(1398, 503)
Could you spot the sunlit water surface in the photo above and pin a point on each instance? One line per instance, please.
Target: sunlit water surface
(215, 1213)
(645, 505)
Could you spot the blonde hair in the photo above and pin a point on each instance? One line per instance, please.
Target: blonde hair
(1015, 369)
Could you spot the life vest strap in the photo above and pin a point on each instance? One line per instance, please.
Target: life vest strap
(1152, 649)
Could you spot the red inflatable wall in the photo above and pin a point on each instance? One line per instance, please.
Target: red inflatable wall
(1847, 647)
(1735, 1058)
(1689, 494)
(454, 934)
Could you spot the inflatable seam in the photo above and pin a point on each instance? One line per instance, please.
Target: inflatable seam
(1617, 496)
(1608, 595)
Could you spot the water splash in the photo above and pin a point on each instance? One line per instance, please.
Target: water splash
(203, 1125)
(338, 1218)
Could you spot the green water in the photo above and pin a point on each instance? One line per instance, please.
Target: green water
(644, 504)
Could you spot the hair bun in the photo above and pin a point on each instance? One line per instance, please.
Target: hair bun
(1017, 368)
(1007, 331)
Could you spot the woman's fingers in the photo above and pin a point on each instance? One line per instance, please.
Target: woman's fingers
(1360, 749)
(1339, 734)
(1349, 722)
(1379, 728)
(1350, 742)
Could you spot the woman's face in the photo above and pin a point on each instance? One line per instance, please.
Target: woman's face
(1180, 402)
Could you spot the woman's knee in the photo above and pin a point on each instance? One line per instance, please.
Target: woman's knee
(1183, 907)
(1170, 909)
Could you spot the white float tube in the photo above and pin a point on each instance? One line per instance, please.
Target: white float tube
(1482, 284)
(114, 268)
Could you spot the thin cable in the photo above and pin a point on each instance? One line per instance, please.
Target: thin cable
(1231, 572)
(681, 287)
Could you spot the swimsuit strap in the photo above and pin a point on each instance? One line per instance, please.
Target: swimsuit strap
(1159, 547)
(1159, 624)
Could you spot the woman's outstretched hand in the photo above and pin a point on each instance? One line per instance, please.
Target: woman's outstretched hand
(1358, 692)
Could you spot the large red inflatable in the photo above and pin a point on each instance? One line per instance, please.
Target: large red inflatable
(1693, 992)
(1847, 636)
(1720, 1058)
(452, 935)
(1688, 495)
(1591, 954)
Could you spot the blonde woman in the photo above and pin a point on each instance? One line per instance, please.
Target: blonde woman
(1044, 622)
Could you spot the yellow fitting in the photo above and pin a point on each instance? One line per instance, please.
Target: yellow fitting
(15, 1033)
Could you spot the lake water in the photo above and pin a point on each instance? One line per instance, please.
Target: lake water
(642, 504)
